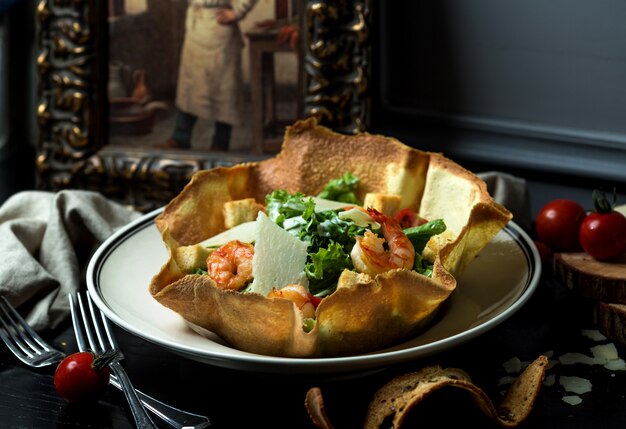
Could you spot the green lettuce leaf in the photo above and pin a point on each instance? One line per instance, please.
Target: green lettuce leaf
(330, 238)
(342, 189)
(324, 268)
(419, 235)
(422, 266)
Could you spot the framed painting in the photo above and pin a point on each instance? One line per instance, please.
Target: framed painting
(110, 88)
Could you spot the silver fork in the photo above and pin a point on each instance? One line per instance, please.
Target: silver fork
(23, 341)
(33, 350)
(93, 334)
(174, 417)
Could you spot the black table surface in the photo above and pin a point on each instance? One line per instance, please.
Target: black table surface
(550, 323)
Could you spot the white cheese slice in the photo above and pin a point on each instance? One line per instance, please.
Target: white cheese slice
(359, 217)
(574, 358)
(513, 366)
(279, 258)
(605, 352)
(575, 384)
(593, 334)
(549, 380)
(245, 232)
(354, 214)
(322, 204)
(507, 379)
(616, 365)
(572, 399)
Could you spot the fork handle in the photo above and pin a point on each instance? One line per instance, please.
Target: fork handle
(174, 417)
(142, 419)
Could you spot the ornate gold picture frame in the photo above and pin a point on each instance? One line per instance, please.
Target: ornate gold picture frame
(72, 149)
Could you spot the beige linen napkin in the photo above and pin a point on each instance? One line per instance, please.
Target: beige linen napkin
(46, 241)
(512, 192)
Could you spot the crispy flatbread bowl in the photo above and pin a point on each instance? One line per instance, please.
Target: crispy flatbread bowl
(364, 314)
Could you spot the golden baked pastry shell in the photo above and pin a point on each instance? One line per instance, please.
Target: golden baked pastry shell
(365, 314)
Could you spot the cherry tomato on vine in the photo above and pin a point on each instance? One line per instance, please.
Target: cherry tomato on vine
(558, 223)
(603, 232)
(82, 376)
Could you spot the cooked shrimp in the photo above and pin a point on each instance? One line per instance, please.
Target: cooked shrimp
(371, 256)
(230, 266)
(297, 294)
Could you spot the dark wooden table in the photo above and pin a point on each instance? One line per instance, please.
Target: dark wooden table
(550, 322)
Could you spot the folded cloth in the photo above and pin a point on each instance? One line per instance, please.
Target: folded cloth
(46, 241)
(512, 192)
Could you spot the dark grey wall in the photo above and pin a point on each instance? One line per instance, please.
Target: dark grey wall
(528, 83)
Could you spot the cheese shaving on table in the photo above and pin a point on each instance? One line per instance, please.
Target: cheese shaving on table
(574, 384)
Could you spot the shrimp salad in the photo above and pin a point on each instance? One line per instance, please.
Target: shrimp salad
(345, 266)
(349, 237)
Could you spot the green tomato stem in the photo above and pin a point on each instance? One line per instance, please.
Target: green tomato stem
(101, 361)
(600, 203)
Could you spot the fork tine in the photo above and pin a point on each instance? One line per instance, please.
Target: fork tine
(112, 342)
(77, 323)
(32, 335)
(8, 336)
(85, 336)
(89, 328)
(23, 341)
(10, 339)
(109, 332)
(101, 326)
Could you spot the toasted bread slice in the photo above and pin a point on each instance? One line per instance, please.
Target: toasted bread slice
(384, 203)
(394, 401)
(240, 211)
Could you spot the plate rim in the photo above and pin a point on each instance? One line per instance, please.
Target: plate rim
(265, 363)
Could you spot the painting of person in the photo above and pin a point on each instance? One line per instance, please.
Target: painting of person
(183, 74)
(210, 81)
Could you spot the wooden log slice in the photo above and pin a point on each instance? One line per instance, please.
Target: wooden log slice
(600, 281)
(611, 320)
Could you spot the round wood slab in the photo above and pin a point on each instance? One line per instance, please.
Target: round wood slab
(600, 281)
(611, 320)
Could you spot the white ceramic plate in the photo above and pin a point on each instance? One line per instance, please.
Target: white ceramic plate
(495, 285)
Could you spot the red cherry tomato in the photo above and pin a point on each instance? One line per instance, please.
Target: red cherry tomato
(314, 300)
(407, 218)
(82, 376)
(545, 253)
(558, 223)
(603, 232)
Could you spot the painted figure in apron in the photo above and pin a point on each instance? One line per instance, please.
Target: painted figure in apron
(210, 81)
